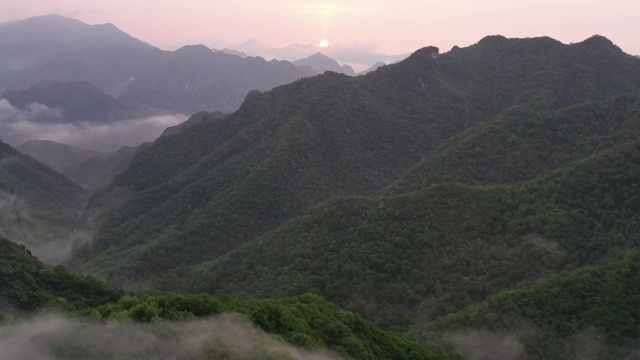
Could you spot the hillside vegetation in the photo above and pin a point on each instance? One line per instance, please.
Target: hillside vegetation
(307, 321)
(590, 312)
(28, 284)
(38, 206)
(202, 192)
(409, 195)
(429, 253)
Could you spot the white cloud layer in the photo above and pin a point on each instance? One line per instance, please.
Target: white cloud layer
(18, 126)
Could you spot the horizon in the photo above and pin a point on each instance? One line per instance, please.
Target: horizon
(302, 27)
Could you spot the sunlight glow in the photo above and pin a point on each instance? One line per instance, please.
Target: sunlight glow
(328, 13)
(324, 43)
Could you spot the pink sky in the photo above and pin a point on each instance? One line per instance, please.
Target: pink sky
(390, 27)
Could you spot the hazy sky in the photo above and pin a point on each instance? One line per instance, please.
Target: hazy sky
(390, 27)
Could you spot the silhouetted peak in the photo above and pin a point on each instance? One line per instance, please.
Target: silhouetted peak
(599, 42)
(53, 20)
(431, 52)
(493, 40)
(108, 26)
(194, 50)
(54, 17)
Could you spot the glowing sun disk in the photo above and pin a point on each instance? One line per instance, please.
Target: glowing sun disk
(324, 43)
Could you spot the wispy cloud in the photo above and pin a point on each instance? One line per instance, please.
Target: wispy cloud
(18, 126)
(228, 336)
(9, 113)
(51, 243)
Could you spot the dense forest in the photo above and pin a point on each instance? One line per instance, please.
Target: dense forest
(592, 312)
(307, 323)
(483, 200)
(407, 195)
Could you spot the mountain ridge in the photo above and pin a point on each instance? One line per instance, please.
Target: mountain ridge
(321, 63)
(77, 100)
(47, 35)
(393, 117)
(40, 207)
(56, 155)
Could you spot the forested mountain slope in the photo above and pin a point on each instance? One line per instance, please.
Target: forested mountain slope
(406, 195)
(40, 207)
(105, 321)
(36, 183)
(522, 143)
(28, 284)
(202, 192)
(587, 313)
(414, 257)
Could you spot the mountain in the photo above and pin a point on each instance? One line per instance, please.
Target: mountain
(191, 79)
(199, 204)
(193, 120)
(99, 171)
(431, 197)
(29, 285)
(408, 259)
(77, 101)
(195, 78)
(40, 207)
(233, 52)
(321, 63)
(188, 80)
(308, 322)
(344, 55)
(111, 68)
(374, 67)
(56, 155)
(25, 42)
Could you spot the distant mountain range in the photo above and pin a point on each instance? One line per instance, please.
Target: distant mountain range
(56, 70)
(357, 58)
(27, 42)
(56, 155)
(298, 325)
(77, 101)
(195, 78)
(321, 63)
(191, 79)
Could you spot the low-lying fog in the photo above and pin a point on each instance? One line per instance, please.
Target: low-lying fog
(52, 336)
(35, 123)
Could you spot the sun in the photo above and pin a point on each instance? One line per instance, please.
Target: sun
(324, 43)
